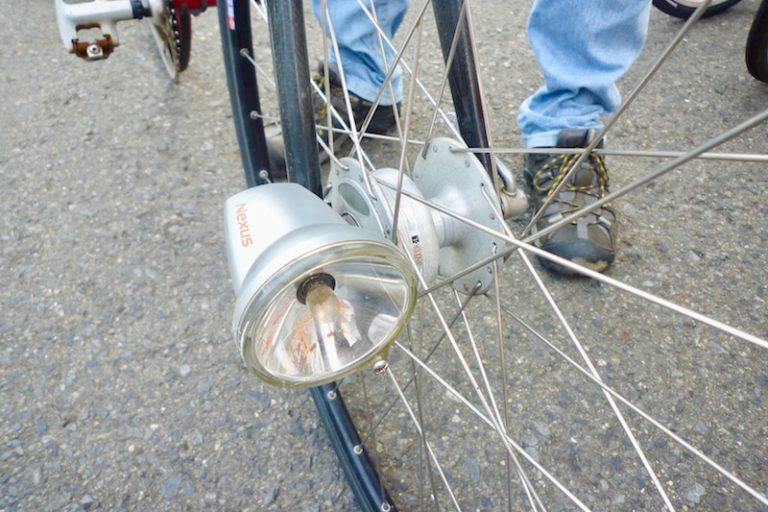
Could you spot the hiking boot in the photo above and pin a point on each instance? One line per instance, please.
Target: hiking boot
(382, 120)
(590, 240)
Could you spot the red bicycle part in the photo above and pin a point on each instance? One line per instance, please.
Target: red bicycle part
(194, 6)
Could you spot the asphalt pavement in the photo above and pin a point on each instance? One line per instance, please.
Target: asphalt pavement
(121, 386)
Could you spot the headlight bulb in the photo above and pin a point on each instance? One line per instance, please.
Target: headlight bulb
(333, 325)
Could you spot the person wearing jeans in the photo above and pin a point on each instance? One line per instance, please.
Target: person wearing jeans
(582, 47)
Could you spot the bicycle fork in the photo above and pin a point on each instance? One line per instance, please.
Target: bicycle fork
(468, 99)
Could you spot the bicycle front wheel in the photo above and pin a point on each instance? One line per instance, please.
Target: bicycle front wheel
(644, 388)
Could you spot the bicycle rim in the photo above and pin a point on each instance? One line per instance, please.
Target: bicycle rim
(685, 8)
(641, 389)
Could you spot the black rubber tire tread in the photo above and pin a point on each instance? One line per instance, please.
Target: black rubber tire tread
(684, 12)
(757, 44)
(184, 20)
(243, 90)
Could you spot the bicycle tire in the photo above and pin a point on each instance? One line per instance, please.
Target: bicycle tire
(684, 8)
(390, 476)
(184, 27)
(235, 29)
(756, 52)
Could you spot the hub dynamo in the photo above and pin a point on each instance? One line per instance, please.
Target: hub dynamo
(437, 243)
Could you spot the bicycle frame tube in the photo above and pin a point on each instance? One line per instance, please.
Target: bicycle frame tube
(463, 77)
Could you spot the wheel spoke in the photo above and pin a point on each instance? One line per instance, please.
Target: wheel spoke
(259, 6)
(448, 64)
(483, 101)
(502, 422)
(406, 132)
(509, 443)
(347, 102)
(588, 361)
(732, 157)
(391, 68)
(387, 82)
(423, 434)
(525, 245)
(420, 431)
(407, 68)
(495, 420)
(386, 411)
(329, 111)
(663, 428)
(262, 74)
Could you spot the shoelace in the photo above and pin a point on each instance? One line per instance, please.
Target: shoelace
(321, 112)
(555, 170)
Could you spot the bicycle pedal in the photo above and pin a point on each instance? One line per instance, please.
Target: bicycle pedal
(97, 20)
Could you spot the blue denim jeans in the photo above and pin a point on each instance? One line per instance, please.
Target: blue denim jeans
(582, 46)
(360, 48)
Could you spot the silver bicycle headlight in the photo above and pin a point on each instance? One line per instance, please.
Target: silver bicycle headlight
(316, 298)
